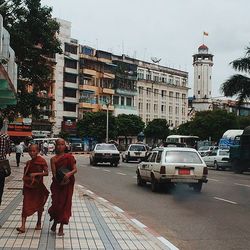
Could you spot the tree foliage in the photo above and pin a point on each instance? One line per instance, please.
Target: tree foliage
(209, 124)
(157, 129)
(33, 38)
(94, 125)
(238, 84)
(129, 125)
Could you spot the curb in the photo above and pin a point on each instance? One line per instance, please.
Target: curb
(133, 221)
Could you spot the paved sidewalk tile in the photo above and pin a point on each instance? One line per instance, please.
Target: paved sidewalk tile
(92, 225)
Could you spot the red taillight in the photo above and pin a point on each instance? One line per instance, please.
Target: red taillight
(205, 171)
(163, 170)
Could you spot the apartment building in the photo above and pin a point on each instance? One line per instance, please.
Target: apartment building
(96, 81)
(66, 80)
(162, 93)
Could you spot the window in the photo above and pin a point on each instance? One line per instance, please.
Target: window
(70, 63)
(156, 92)
(153, 157)
(199, 77)
(155, 107)
(68, 92)
(182, 157)
(177, 110)
(158, 158)
(148, 106)
(116, 100)
(129, 101)
(140, 106)
(140, 90)
(199, 92)
(122, 100)
(70, 48)
(163, 93)
(148, 91)
(171, 94)
(170, 110)
(163, 108)
(70, 77)
(71, 107)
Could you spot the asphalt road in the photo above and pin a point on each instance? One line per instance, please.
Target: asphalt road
(217, 218)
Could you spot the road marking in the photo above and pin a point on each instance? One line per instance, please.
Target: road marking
(106, 170)
(220, 199)
(118, 209)
(243, 185)
(102, 199)
(167, 243)
(94, 167)
(211, 179)
(80, 186)
(89, 191)
(138, 223)
(120, 173)
(135, 177)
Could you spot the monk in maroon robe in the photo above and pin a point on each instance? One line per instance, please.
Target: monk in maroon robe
(34, 198)
(62, 190)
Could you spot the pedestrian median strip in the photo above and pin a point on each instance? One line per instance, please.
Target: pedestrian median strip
(211, 179)
(228, 201)
(138, 223)
(167, 243)
(118, 209)
(106, 170)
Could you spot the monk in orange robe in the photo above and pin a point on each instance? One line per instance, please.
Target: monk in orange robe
(34, 198)
(62, 190)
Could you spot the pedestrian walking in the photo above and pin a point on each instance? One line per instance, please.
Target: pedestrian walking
(19, 152)
(4, 147)
(35, 194)
(63, 166)
(45, 147)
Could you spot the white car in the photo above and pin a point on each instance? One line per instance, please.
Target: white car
(204, 150)
(135, 152)
(105, 153)
(219, 159)
(171, 166)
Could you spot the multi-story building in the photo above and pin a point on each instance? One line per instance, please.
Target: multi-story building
(8, 69)
(96, 81)
(66, 80)
(162, 93)
(125, 85)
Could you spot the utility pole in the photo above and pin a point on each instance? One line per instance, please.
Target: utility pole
(108, 102)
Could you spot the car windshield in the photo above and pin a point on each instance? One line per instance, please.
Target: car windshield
(224, 152)
(204, 148)
(137, 148)
(182, 157)
(106, 147)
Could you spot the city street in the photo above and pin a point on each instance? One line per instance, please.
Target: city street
(217, 218)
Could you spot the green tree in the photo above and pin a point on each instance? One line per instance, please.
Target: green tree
(243, 121)
(184, 129)
(238, 84)
(129, 125)
(212, 124)
(33, 38)
(157, 129)
(93, 125)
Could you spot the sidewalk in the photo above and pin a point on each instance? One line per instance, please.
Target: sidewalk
(95, 223)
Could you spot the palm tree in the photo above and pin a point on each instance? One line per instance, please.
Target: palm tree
(239, 85)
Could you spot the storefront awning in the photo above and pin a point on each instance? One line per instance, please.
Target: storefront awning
(20, 133)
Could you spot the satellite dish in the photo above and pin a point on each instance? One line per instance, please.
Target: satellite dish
(155, 59)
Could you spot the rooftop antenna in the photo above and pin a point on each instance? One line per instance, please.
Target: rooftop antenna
(155, 59)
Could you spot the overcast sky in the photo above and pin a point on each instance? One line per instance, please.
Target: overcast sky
(167, 29)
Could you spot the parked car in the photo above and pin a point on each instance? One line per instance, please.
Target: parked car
(135, 152)
(219, 159)
(172, 165)
(105, 153)
(204, 150)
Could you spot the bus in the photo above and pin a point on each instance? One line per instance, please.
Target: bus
(188, 140)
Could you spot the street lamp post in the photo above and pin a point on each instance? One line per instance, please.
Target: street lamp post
(107, 125)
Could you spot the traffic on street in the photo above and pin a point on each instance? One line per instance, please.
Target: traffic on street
(216, 218)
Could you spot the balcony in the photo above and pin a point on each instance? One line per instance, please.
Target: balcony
(128, 110)
(91, 72)
(104, 107)
(126, 92)
(89, 87)
(86, 105)
(70, 70)
(70, 99)
(107, 91)
(71, 85)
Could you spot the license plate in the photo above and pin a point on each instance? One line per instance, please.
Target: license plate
(137, 153)
(184, 171)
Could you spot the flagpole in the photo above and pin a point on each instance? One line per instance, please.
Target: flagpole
(203, 37)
